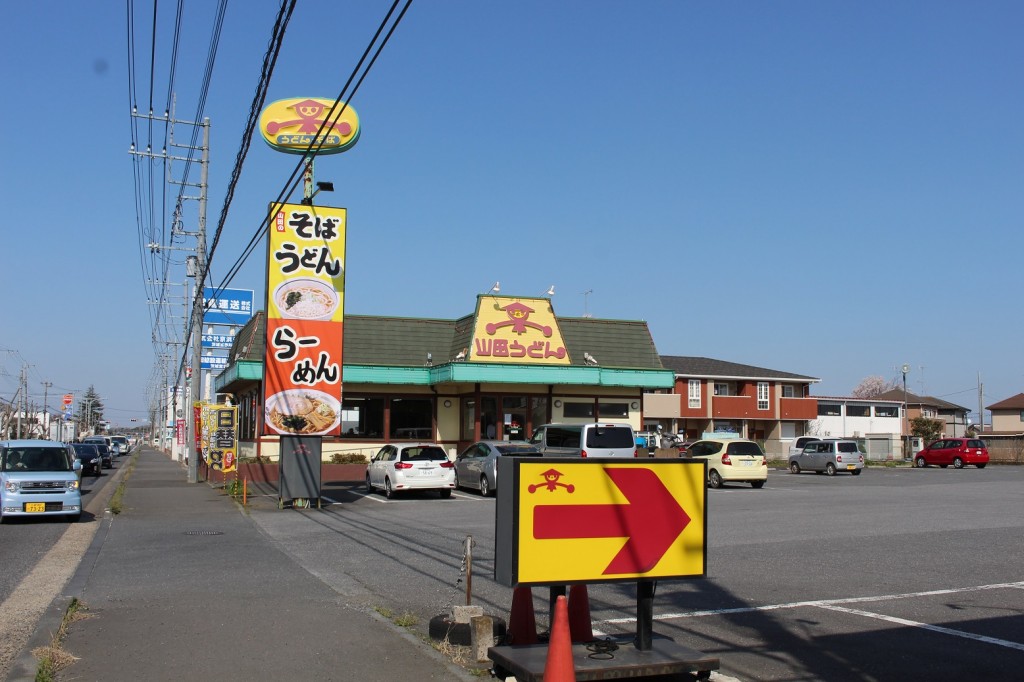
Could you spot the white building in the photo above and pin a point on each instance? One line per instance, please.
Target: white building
(876, 422)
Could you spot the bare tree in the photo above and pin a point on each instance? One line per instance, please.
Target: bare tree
(871, 386)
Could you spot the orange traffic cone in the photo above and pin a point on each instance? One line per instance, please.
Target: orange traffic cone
(559, 667)
(522, 624)
(579, 615)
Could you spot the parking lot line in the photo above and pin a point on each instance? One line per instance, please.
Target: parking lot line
(924, 626)
(825, 603)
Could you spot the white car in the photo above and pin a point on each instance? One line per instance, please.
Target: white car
(399, 467)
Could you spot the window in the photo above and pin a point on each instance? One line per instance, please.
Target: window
(613, 410)
(1022, 415)
(858, 410)
(788, 391)
(887, 411)
(721, 389)
(693, 391)
(578, 410)
(362, 417)
(412, 418)
(829, 409)
(762, 395)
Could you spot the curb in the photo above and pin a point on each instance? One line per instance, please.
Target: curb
(25, 665)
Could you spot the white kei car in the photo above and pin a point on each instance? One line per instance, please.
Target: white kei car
(399, 467)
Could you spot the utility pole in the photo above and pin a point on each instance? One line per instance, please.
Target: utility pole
(197, 306)
(46, 416)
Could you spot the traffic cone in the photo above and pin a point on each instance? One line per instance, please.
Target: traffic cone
(559, 667)
(522, 624)
(579, 615)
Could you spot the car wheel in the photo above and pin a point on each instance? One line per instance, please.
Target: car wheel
(714, 479)
(757, 484)
(485, 488)
(794, 468)
(856, 472)
(980, 466)
(958, 463)
(830, 469)
(369, 486)
(921, 464)
(389, 492)
(445, 493)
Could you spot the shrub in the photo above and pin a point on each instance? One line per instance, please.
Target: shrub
(347, 458)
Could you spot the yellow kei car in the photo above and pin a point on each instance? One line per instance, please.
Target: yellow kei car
(731, 460)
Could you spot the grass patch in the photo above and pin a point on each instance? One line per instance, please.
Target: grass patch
(406, 620)
(384, 611)
(116, 500)
(53, 658)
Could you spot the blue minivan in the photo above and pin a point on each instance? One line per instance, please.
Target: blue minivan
(39, 478)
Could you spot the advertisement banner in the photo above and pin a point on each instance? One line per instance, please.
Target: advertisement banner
(305, 312)
(197, 415)
(220, 437)
(179, 431)
(227, 306)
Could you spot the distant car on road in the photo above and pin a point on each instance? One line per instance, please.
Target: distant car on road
(477, 465)
(123, 445)
(732, 460)
(828, 456)
(106, 456)
(89, 455)
(956, 451)
(410, 466)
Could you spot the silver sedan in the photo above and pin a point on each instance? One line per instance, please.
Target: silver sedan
(477, 466)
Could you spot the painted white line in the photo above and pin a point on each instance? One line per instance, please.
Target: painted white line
(926, 626)
(467, 496)
(369, 496)
(827, 602)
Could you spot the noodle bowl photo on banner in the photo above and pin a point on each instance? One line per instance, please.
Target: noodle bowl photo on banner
(303, 412)
(306, 299)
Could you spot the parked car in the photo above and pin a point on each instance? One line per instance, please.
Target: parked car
(797, 446)
(585, 440)
(731, 460)
(956, 451)
(89, 455)
(828, 456)
(410, 466)
(39, 478)
(477, 465)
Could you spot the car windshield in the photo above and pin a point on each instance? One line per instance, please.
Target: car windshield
(35, 459)
(519, 450)
(84, 449)
(847, 447)
(610, 437)
(426, 454)
(750, 449)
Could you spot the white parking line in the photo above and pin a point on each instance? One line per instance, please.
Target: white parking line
(925, 626)
(825, 603)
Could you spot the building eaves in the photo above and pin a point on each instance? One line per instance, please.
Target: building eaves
(1015, 402)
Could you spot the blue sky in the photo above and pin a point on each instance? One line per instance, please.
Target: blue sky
(829, 189)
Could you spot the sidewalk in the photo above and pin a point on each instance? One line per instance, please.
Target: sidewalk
(183, 585)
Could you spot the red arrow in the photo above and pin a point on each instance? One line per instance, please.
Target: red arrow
(652, 520)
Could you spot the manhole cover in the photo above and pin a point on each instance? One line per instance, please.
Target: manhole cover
(204, 532)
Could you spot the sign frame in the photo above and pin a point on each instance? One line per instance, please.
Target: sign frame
(515, 566)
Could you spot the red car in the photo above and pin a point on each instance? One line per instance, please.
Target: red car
(956, 451)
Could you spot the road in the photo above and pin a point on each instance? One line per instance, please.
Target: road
(896, 574)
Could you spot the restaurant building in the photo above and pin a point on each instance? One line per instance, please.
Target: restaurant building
(500, 372)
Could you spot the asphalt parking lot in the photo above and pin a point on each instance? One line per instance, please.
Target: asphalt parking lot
(893, 575)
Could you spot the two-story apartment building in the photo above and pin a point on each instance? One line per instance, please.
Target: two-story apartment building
(877, 423)
(719, 397)
(953, 416)
(1008, 416)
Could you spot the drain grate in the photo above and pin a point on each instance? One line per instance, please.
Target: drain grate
(204, 532)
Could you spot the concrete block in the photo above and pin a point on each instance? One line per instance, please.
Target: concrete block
(463, 614)
(481, 637)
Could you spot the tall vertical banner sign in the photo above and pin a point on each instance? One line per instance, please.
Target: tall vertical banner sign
(305, 320)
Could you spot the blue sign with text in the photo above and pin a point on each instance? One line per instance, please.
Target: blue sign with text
(227, 306)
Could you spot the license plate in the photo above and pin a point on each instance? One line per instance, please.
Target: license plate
(427, 472)
(35, 506)
(850, 467)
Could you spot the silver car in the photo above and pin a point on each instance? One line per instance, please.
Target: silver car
(829, 456)
(477, 466)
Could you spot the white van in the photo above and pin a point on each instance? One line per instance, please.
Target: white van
(585, 440)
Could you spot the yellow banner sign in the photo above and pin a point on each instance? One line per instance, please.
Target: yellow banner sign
(517, 330)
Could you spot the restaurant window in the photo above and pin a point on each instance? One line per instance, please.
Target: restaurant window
(412, 418)
(468, 418)
(613, 410)
(693, 392)
(858, 411)
(362, 418)
(538, 413)
(578, 410)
